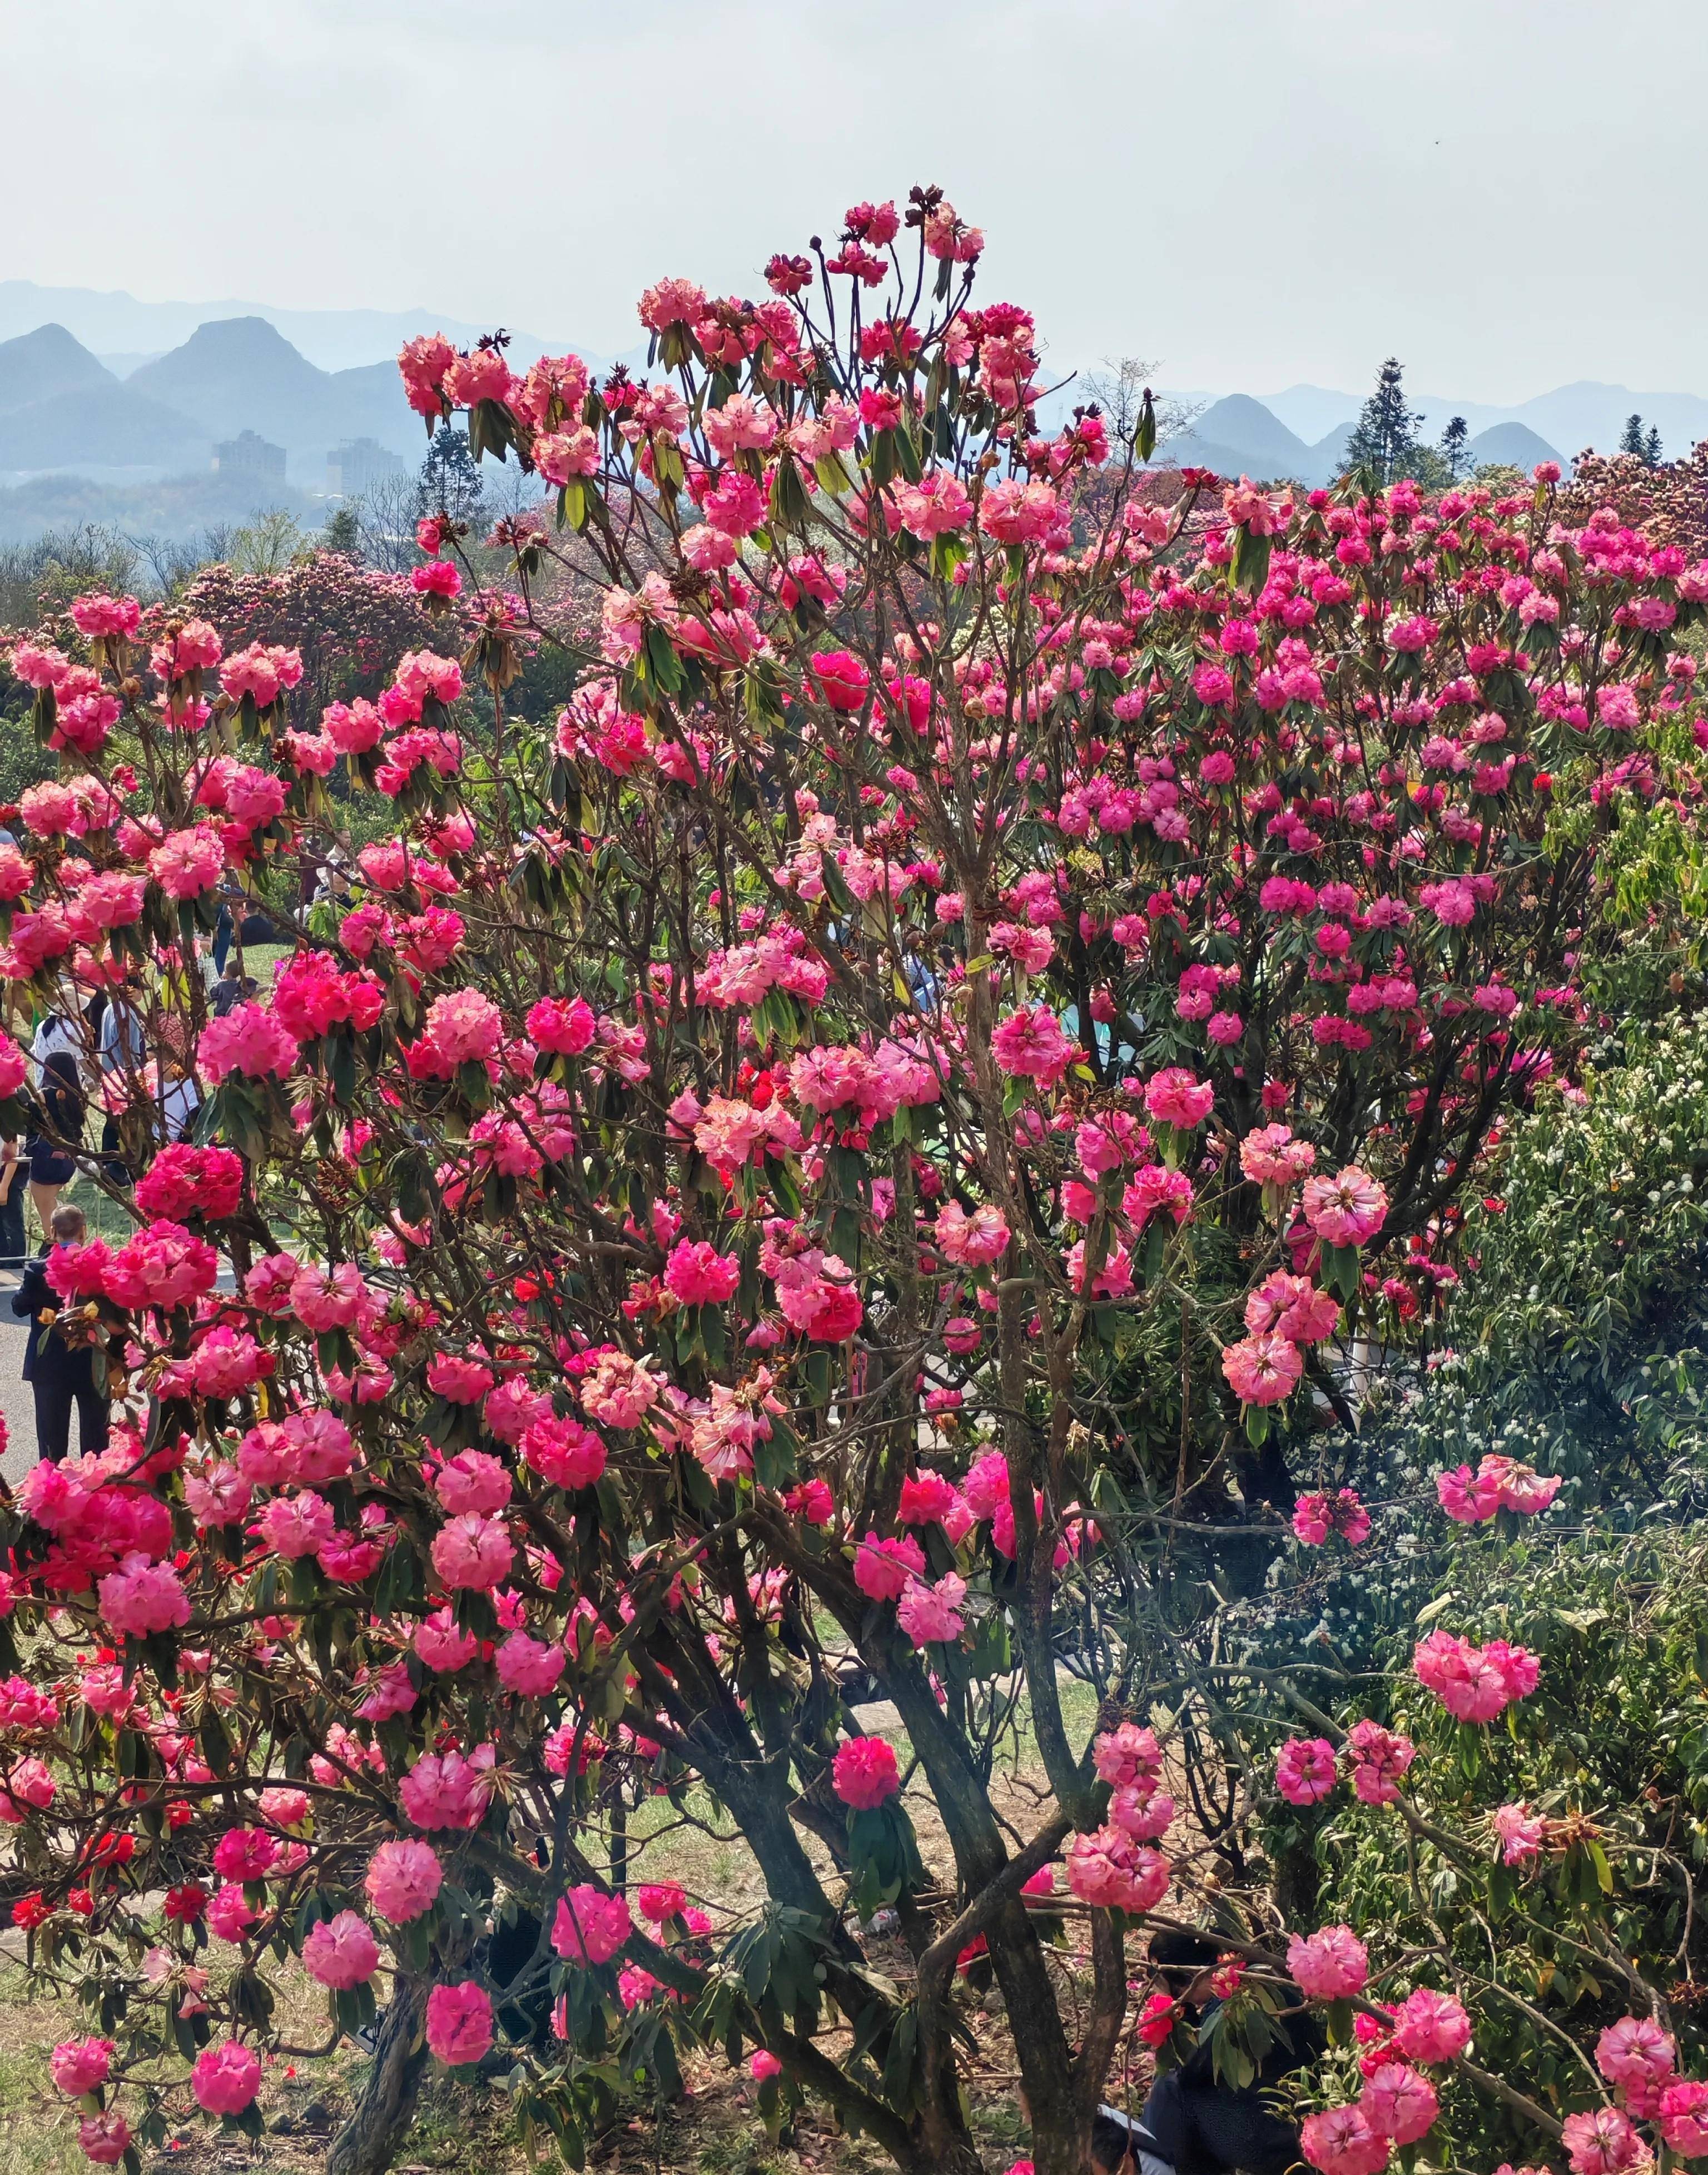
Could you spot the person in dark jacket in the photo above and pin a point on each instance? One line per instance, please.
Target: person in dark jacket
(61, 1374)
(14, 1252)
(1195, 2123)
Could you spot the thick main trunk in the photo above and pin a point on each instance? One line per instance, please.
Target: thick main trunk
(938, 2148)
(369, 2140)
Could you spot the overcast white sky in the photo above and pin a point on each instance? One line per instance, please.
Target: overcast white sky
(1507, 193)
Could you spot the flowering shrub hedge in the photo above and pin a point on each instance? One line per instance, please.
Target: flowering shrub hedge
(690, 1234)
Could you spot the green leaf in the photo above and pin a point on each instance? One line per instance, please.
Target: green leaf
(1145, 438)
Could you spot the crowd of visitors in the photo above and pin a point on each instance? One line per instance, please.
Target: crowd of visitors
(85, 1068)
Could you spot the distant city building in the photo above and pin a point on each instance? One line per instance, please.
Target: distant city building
(358, 464)
(250, 454)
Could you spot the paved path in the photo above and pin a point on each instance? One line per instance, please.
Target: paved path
(17, 1401)
(17, 1405)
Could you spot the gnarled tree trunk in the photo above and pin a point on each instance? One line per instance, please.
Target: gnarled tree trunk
(368, 2141)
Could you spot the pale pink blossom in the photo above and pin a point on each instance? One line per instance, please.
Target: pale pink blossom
(1399, 2103)
(341, 1951)
(402, 1879)
(1601, 2141)
(930, 1614)
(1431, 2027)
(473, 1551)
(1340, 2141)
(1346, 1209)
(1329, 1964)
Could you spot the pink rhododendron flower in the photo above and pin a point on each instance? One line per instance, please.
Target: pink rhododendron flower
(1683, 2118)
(402, 1879)
(1499, 1484)
(1030, 1044)
(974, 1241)
(1109, 1868)
(1340, 2141)
(162, 1267)
(930, 1614)
(1601, 2141)
(881, 1568)
(341, 1951)
(449, 1790)
(1520, 1836)
(1329, 1964)
(103, 2138)
(1305, 1769)
(1635, 2050)
(529, 1668)
(1175, 1098)
(140, 1598)
(590, 1926)
(226, 2078)
(1346, 1209)
(926, 1499)
(566, 1453)
(77, 2066)
(1316, 1516)
(248, 1040)
(863, 1772)
(1431, 2027)
(1262, 1370)
(230, 1916)
(472, 1480)
(699, 1275)
(1399, 2103)
(27, 1785)
(1380, 1757)
(247, 1853)
(842, 679)
(1473, 1683)
(473, 1551)
(1141, 1811)
(1128, 1756)
(460, 2022)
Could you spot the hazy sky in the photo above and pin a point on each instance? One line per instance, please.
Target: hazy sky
(1506, 193)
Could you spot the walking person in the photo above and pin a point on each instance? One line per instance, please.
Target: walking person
(60, 1033)
(62, 1374)
(13, 1249)
(124, 1049)
(62, 1110)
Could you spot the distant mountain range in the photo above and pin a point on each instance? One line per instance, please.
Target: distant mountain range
(1302, 433)
(103, 392)
(1574, 418)
(1240, 436)
(125, 332)
(62, 409)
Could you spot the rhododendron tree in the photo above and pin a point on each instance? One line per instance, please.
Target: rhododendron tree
(823, 1168)
(348, 624)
